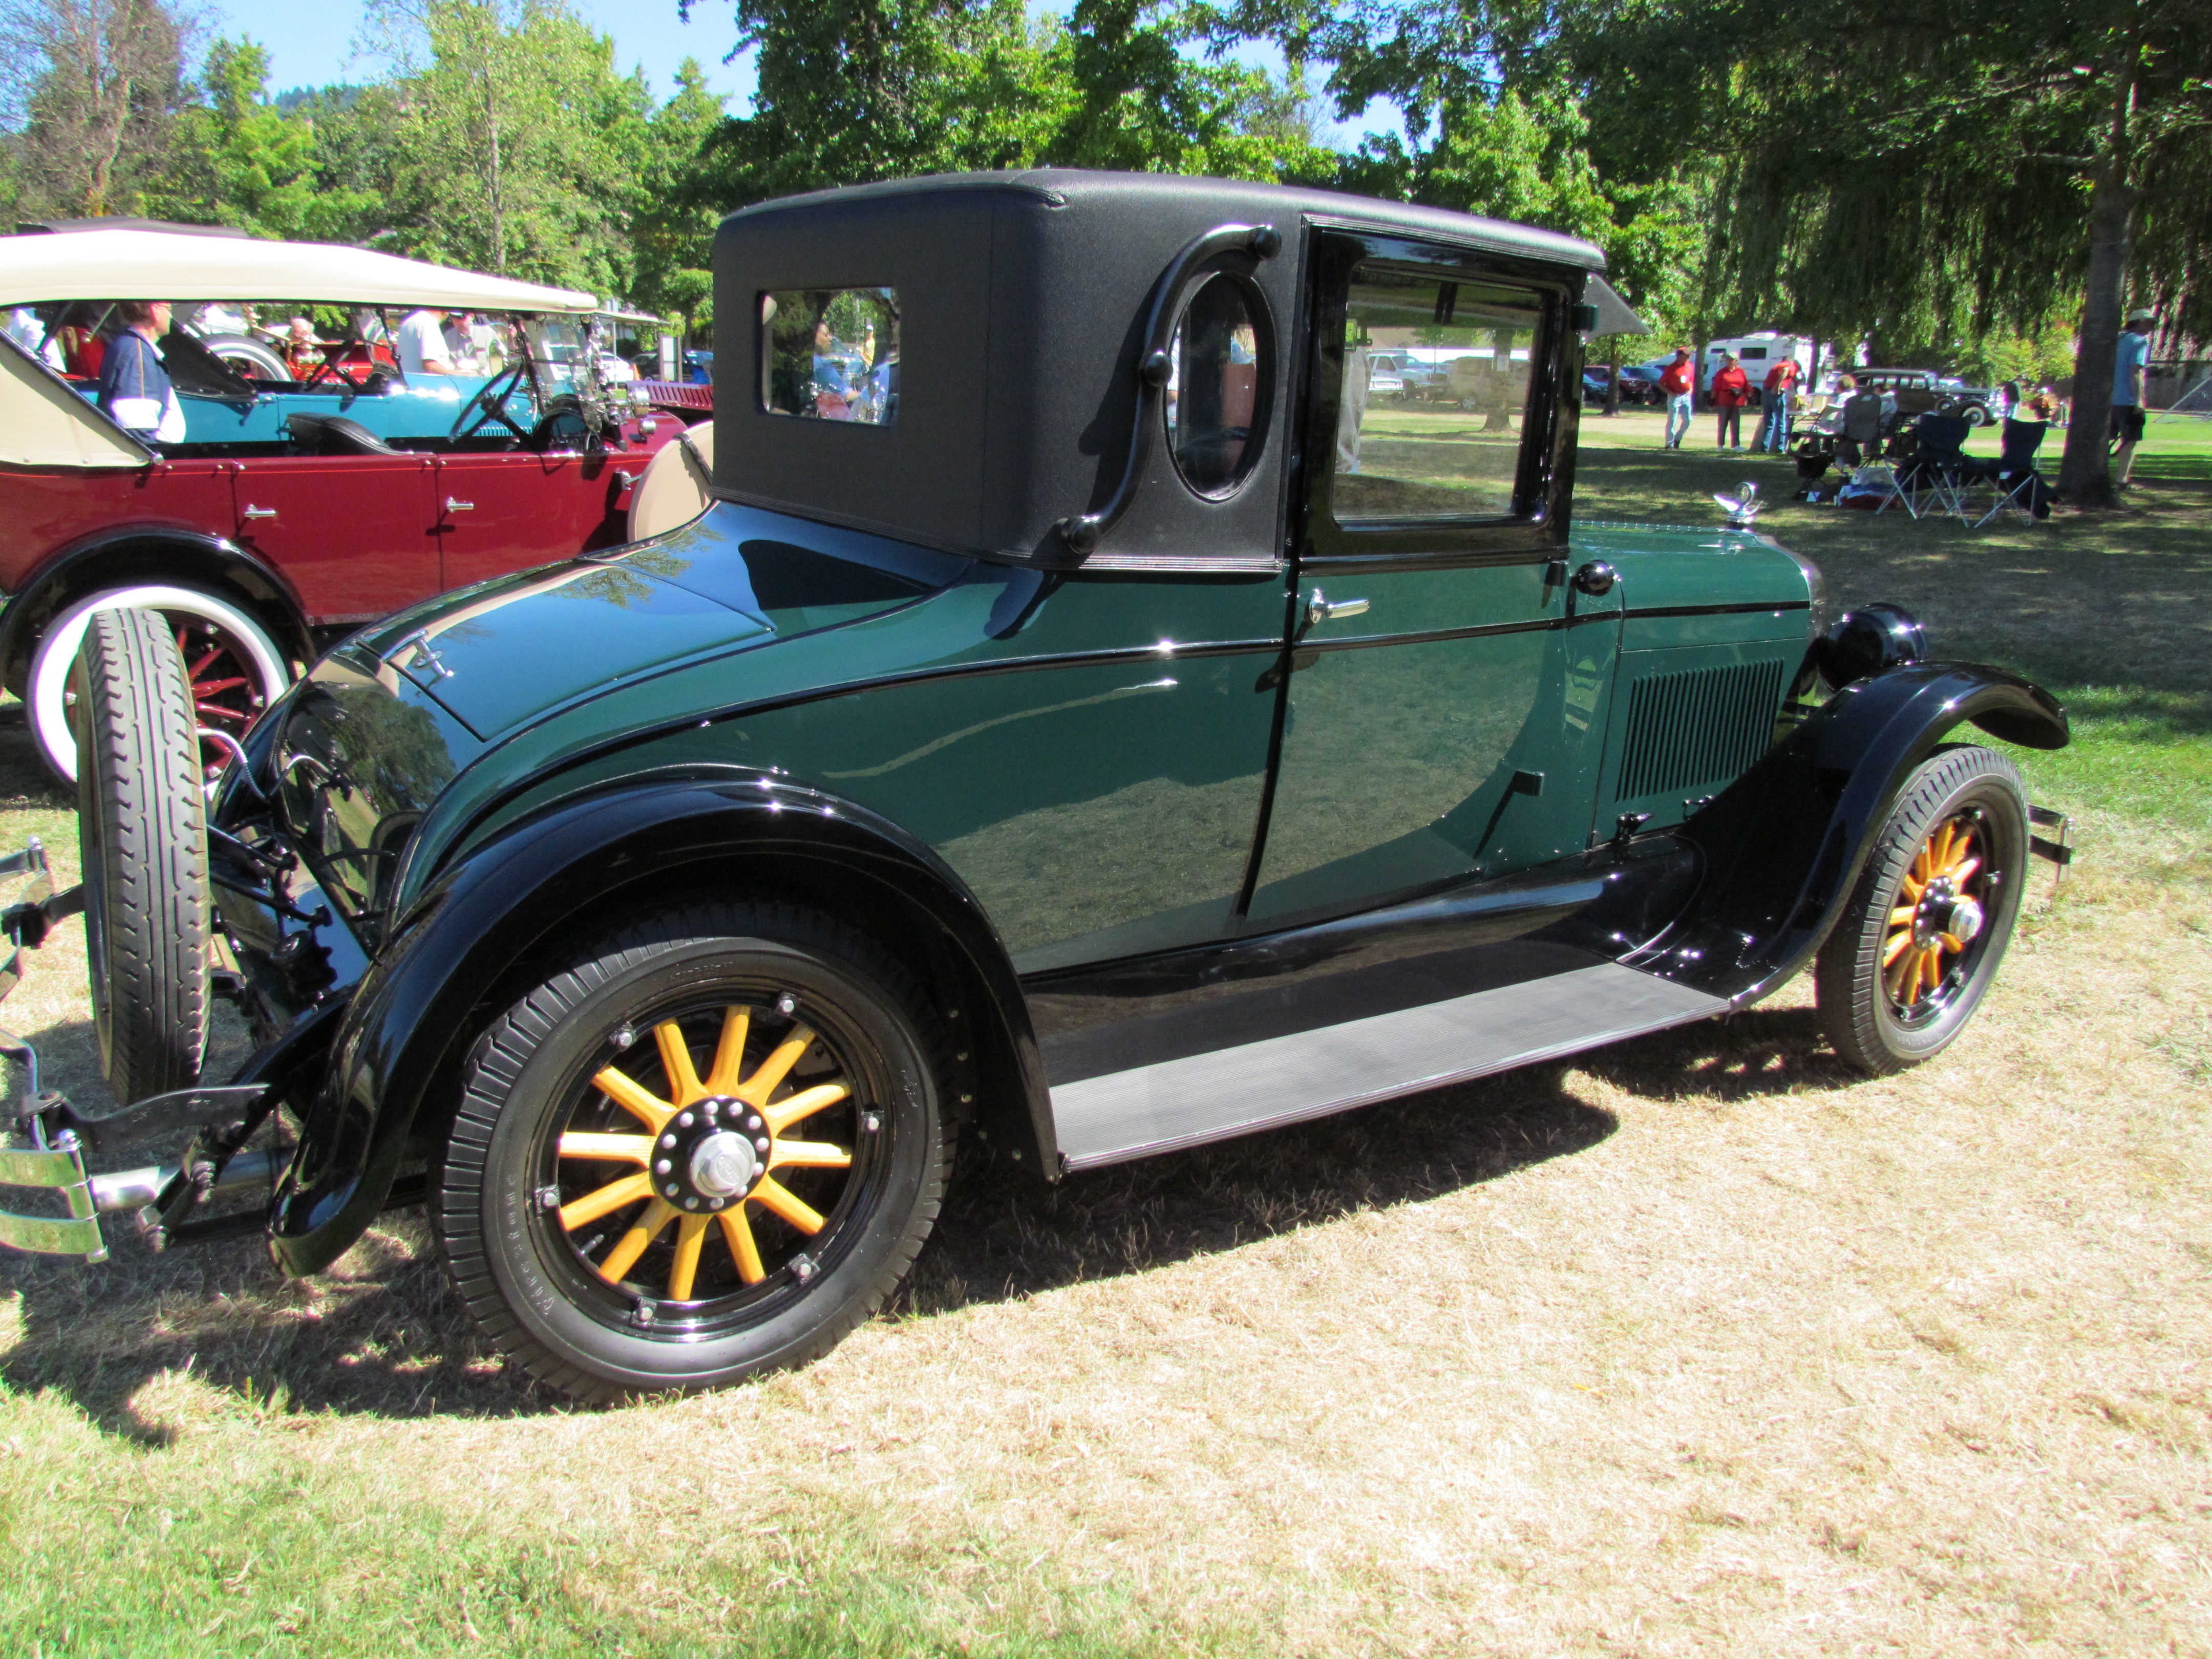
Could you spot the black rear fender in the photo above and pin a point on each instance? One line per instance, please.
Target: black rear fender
(501, 919)
(123, 557)
(1785, 843)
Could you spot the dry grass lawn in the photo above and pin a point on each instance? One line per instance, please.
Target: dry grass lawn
(1696, 1346)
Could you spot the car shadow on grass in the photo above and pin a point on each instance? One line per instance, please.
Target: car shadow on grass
(1001, 1239)
(382, 1334)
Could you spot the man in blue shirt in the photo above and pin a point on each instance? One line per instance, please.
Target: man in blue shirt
(2127, 393)
(135, 392)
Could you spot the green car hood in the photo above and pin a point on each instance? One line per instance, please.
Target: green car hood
(1684, 567)
(506, 653)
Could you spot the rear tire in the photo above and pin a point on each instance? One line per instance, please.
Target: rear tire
(1896, 981)
(708, 1149)
(142, 834)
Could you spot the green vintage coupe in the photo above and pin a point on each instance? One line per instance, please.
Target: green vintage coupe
(1087, 719)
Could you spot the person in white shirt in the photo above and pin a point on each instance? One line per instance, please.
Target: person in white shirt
(422, 344)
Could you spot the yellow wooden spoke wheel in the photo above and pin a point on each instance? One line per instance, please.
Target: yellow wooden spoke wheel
(1914, 948)
(710, 1140)
(1938, 915)
(708, 1148)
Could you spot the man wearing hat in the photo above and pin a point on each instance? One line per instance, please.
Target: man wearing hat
(2127, 393)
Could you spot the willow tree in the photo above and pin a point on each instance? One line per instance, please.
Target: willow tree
(1932, 168)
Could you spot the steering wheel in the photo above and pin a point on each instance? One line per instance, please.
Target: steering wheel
(489, 405)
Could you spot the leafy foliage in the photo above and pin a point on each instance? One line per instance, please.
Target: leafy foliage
(88, 91)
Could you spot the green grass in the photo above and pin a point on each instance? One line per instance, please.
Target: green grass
(112, 1552)
(2106, 611)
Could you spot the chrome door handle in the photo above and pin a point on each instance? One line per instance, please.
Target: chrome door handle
(452, 506)
(1321, 609)
(253, 512)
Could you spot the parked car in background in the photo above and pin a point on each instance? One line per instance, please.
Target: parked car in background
(1923, 391)
(1043, 759)
(1386, 374)
(262, 539)
(1640, 383)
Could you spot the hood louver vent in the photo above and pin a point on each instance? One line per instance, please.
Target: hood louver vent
(1698, 727)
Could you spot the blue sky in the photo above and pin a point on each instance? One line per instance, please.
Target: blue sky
(313, 46)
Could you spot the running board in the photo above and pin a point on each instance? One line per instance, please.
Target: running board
(1286, 1079)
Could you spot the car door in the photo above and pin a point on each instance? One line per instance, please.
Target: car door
(356, 535)
(506, 510)
(1442, 713)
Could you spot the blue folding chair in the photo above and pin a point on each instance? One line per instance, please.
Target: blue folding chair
(2019, 488)
(1938, 475)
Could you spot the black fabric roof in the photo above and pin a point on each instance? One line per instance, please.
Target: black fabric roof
(1022, 298)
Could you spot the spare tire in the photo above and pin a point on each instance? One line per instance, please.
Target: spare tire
(246, 355)
(141, 837)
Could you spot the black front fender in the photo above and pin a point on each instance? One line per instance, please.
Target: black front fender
(481, 935)
(1785, 843)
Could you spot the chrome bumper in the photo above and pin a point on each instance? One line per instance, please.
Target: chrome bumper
(44, 1140)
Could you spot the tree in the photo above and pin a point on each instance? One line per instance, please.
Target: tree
(516, 143)
(1932, 169)
(669, 232)
(690, 294)
(89, 87)
(855, 90)
(237, 159)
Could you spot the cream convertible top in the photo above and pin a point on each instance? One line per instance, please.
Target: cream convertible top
(44, 423)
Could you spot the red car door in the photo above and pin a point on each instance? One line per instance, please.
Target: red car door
(502, 513)
(51, 508)
(356, 535)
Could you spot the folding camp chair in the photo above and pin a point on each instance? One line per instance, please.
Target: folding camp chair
(1936, 479)
(2019, 486)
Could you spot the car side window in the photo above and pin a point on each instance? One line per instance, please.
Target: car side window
(1435, 398)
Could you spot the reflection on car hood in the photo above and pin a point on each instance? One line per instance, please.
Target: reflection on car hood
(498, 655)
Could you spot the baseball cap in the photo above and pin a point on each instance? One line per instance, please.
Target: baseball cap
(2143, 314)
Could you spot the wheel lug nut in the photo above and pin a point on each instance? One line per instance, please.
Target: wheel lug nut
(548, 1198)
(690, 1203)
(787, 1004)
(684, 1122)
(760, 1145)
(663, 1167)
(670, 1189)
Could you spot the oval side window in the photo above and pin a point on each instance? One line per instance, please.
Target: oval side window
(1218, 389)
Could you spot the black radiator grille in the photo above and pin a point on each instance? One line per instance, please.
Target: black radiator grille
(1699, 726)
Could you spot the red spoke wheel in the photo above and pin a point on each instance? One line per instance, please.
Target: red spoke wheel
(1915, 950)
(233, 667)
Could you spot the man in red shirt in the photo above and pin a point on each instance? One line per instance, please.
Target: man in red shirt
(1679, 380)
(1774, 414)
(1731, 392)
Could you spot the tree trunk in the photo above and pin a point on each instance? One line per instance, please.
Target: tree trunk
(2085, 476)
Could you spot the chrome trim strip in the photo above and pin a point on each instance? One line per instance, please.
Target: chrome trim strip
(1286, 1079)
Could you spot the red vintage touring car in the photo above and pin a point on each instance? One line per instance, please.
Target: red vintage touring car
(260, 552)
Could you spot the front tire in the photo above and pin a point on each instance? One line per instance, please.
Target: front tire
(141, 836)
(708, 1149)
(1914, 953)
(236, 669)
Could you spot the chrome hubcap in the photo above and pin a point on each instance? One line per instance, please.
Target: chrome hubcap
(724, 1164)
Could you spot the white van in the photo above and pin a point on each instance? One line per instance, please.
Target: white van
(1755, 355)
